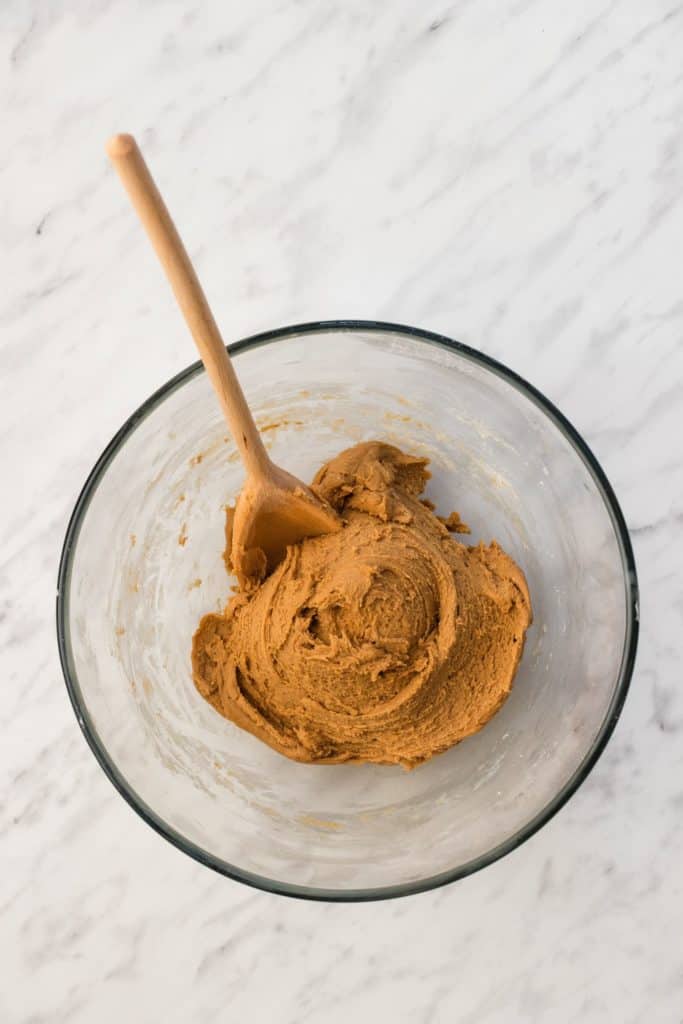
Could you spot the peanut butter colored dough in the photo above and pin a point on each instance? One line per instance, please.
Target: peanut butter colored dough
(388, 641)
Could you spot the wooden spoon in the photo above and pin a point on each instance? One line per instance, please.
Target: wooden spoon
(274, 509)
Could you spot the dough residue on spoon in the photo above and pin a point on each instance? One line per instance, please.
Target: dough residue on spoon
(387, 641)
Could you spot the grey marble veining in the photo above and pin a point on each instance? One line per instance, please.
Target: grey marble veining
(508, 174)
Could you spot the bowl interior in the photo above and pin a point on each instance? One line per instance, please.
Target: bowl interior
(143, 563)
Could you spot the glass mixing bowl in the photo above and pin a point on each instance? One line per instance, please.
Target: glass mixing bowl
(142, 562)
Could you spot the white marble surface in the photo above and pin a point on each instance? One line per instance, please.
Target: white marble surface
(507, 173)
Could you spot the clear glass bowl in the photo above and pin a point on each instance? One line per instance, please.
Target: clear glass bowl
(142, 562)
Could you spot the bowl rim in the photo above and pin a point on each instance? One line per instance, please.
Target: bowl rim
(406, 888)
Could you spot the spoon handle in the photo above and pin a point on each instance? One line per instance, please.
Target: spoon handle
(126, 157)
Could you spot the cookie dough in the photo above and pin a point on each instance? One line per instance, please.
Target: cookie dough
(388, 641)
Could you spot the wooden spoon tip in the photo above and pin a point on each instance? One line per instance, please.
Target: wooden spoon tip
(120, 145)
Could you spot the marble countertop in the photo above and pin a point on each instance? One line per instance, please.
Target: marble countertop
(508, 174)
